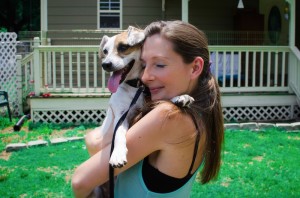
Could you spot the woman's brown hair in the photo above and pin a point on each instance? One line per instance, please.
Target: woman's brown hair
(190, 42)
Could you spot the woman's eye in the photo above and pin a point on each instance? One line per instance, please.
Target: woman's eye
(160, 65)
(143, 65)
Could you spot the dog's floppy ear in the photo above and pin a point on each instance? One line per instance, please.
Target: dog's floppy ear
(135, 36)
(102, 43)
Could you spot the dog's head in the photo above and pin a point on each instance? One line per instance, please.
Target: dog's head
(120, 54)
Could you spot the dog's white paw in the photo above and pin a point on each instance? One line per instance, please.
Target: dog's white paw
(183, 100)
(118, 157)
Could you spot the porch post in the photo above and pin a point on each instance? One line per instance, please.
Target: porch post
(292, 69)
(36, 67)
(44, 20)
(292, 24)
(185, 10)
(163, 9)
(19, 85)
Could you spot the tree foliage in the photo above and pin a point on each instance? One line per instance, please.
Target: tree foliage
(20, 15)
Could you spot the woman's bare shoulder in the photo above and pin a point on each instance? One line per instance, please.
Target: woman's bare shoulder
(173, 121)
(156, 131)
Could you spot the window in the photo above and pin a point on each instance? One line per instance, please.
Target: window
(109, 14)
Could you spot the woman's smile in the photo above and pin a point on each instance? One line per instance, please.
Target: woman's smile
(155, 90)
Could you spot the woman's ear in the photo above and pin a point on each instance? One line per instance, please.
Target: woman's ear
(197, 69)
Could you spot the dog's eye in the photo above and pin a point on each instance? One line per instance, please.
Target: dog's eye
(105, 51)
(123, 47)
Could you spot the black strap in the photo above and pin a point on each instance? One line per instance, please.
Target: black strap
(121, 120)
(196, 145)
(134, 82)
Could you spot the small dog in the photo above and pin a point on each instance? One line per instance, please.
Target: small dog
(120, 54)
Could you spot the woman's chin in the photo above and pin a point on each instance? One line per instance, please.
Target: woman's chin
(153, 98)
(157, 98)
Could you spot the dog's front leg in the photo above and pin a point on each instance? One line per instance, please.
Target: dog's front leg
(118, 157)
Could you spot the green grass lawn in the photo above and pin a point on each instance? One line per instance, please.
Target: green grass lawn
(257, 164)
(254, 164)
(41, 171)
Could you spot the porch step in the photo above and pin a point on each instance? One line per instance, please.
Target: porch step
(61, 108)
(253, 99)
(69, 108)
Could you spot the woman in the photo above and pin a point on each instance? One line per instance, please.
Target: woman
(167, 144)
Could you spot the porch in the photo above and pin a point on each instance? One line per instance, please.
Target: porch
(258, 83)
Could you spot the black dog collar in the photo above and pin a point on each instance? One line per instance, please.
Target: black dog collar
(134, 82)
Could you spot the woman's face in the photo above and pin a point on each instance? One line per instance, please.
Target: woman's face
(165, 73)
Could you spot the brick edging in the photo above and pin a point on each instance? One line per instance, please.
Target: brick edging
(18, 146)
(252, 126)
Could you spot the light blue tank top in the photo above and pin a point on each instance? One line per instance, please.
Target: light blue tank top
(130, 184)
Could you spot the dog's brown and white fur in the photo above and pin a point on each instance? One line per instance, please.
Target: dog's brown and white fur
(121, 53)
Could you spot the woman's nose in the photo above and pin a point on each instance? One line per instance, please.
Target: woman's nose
(147, 75)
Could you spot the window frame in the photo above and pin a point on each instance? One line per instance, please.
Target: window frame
(120, 11)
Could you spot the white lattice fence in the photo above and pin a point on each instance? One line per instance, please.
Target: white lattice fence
(236, 114)
(67, 109)
(8, 70)
(70, 116)
(260, 113)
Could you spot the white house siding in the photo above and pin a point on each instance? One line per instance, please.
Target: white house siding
(72, 14)
(78, 14)
(211, 16)
(141, 12)
(207, 15)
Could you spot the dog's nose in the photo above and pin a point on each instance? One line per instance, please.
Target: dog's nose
(107, 66)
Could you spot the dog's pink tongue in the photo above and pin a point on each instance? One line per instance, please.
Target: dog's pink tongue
(114, 81)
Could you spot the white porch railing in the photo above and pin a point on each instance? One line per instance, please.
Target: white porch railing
(239, 69)
(26, 72)
(68, 69)
(76, 69)
(294, 77)
(269, 74)
(251, 68)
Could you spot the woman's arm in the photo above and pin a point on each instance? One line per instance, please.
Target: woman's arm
(143, 138)
(94, 141)
(91, 173)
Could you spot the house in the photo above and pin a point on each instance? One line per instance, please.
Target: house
(252, 44)
(211, 16)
